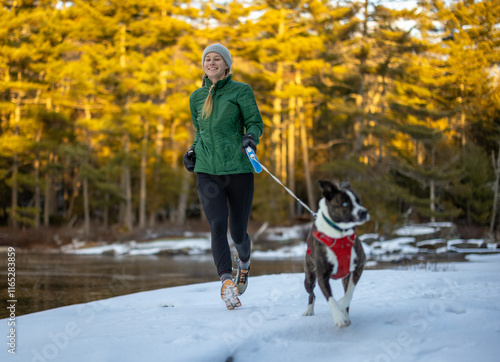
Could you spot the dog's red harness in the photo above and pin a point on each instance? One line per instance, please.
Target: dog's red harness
(341, 247)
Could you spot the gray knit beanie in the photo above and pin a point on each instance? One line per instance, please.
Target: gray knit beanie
(219, 49)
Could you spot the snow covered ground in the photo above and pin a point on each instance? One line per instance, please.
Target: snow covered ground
(445, 314)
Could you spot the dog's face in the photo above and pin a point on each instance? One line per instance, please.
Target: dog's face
(343, 205)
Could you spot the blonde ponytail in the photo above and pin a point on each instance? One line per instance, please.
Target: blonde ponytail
(206, 111)
(209, 103)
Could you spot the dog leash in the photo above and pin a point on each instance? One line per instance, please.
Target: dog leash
(290, 192)
(258, 167)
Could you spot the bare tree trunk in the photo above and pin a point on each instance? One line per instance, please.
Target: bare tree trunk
(304, 144)
(15, 167)
(433, 188)
(175, 209)
(180, 212)
(48, 187)
(496, 167)
(277, 109)
(48, 180)
(433, 200)
(127, 186)
(86, 209)
(105, 218)
(46, 208)
(174, 147)
(183, 199)
(291, 155)
(36, 170)
(14, 192)
(68, 214)
(156, 173)
(37, 189)
(277, 105)
(462, 117)
(305, 154)
(361, 99)
(159, 144)
(283, 171)
(144, 161)
(127, 181)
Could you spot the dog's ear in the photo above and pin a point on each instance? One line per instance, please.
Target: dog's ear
(329, 189)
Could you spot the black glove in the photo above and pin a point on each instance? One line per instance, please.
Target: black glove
(249, 140)
(189, 160)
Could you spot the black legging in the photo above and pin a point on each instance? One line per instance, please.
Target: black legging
(223, 197)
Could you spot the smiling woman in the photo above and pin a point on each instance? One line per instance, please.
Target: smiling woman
(227, 120)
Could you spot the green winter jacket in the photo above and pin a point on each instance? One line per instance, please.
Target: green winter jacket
(218, 138)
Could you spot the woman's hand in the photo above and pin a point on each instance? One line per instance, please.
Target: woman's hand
(189, 160)
(249, 140)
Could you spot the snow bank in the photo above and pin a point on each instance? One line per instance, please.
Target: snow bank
(289, 242)
(286, 252)
(190, 246)
(422, 229)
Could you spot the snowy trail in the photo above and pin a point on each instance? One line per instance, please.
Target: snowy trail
(397, 315)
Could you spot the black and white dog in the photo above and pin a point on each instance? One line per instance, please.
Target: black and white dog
(333, 249)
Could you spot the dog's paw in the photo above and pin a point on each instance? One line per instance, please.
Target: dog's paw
(344, 304)
(341, 320)
(309, 311)
(340, 316)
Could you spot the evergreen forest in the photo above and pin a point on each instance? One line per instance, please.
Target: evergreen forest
(399, 98)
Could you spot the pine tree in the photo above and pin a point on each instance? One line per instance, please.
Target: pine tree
(470, 36)
(25, 50)
(469, 39)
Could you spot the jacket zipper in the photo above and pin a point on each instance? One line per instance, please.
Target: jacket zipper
(211, 134)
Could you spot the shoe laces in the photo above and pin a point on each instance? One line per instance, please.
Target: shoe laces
(242, 275)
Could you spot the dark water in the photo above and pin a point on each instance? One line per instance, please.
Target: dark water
(46, 281)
